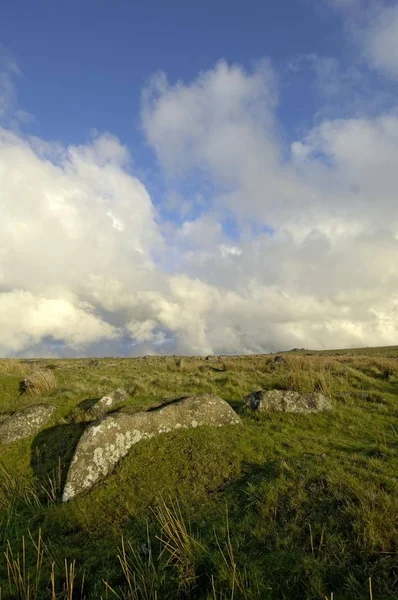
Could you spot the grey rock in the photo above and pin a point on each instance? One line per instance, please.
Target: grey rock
(24, 423)
(107, 403)
(145, 549)
(25, 385)
(279, 359)
(287, 401)
(103, 444)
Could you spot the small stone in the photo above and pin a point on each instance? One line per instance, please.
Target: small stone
(145, 550)
(108, 402)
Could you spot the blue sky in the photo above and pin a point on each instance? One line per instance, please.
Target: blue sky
(84, 63)
(196, 178)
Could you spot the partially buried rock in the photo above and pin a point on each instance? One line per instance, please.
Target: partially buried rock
(24, 423)
(103, 444)
(108, 402)
(279, 359)
(24, 386)
(287, 401)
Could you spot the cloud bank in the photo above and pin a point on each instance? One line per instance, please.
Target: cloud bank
(272, 244)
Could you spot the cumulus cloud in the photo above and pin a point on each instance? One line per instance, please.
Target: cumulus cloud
(327, 207)
(284, 244)
(69, 216)
(26, 318)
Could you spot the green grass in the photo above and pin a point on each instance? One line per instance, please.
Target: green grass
(281, 507)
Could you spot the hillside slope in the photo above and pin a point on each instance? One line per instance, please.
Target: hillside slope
(283, 506)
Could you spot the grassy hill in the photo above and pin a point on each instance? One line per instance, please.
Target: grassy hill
(282, 507)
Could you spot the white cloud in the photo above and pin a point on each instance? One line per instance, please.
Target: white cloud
(380, 39)
(85, 260)
(68, 216)
(373, 26)
(26, 318)
(331, 205)
(180, 114)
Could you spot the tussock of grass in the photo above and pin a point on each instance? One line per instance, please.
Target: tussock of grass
(303, 375)
(177, 542)
(40, 383)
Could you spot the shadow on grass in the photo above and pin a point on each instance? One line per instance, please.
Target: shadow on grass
(372, 450)
(52, 452)
(252, 473)
(87, 403)
(164, 403)
(236, 405)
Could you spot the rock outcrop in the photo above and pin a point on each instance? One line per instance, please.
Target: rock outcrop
(287, 401)
(108, 402)
(103, 444)
(24, 423)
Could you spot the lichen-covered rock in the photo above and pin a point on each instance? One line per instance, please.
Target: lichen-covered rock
(24, 423)
(108, 402)
(287, 401)
(104, 443)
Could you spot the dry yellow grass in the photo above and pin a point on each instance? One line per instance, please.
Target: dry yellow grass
(13, 366)
(303, 375)
(40, 383)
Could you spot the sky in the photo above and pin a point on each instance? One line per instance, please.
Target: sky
(198, 178)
